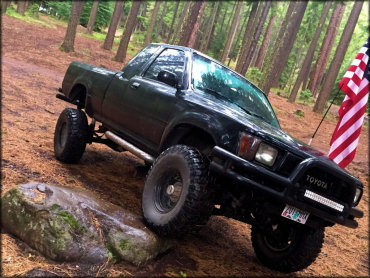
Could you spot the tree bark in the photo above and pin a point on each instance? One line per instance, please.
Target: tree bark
(194, 31)
(325, 49)
(4, 6)
(180, 23)
(191, 20)
(173, 21)
(149, 32)
(289, 40)
(159, 29)
(256, 37)
(94, 10)
(21, 7)
(216, 14)
(122, 48)
(268, 67)
(109, 39)
(266, 39)
(247, 35)
(231, 16)
(232, 31)
(74, 20)
(310, 52)
(335, 64)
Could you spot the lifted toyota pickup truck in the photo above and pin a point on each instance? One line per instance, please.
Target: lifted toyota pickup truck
(214, 145)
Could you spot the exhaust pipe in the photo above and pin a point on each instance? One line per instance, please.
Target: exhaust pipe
(131, 148)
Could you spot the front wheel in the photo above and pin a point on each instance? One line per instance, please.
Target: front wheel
(176, 198)
(286, 247)
(70, 136)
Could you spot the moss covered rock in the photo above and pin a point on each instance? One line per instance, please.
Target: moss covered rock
(69, 224)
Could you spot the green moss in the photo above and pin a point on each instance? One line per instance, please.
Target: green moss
(54, 207)
(113, 253)
(299, 113)
(124, 244)
(71, 221)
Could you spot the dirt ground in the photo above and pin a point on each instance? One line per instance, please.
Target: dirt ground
(33, 68)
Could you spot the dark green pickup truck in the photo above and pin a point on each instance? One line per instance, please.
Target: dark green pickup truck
(216, 147)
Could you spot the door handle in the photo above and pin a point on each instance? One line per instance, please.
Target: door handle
(135, 85)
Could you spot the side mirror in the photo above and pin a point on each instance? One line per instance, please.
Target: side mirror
(168, 78)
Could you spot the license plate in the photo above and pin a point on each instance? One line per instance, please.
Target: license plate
(295, 214)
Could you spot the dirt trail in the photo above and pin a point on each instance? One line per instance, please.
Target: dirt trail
(32, 70)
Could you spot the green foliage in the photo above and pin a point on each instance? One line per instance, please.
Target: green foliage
(299, 113)
(305, 96)
(103, 15)
(182, 274)
(254, 74)
(59, 9)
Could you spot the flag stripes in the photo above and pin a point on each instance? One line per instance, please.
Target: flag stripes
(355, 84)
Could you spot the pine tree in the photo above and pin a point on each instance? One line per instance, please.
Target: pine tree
(232, 31)
(149, 31)
(326, 47)
(74, 20)
(117, 13)
(94, 9)
(335, 64)
(122, 48)
(179, 26)
(310, 53)
(191, 20)
(173, 21)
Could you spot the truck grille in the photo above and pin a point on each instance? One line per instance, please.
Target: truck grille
(290, 161)
(326, 185)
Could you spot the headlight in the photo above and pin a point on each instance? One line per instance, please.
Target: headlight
(357, 196)
(248, 146)
(266, 154)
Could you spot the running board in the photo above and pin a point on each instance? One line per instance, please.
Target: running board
(131, 148)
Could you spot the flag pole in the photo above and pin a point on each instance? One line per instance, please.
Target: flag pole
(309, 142)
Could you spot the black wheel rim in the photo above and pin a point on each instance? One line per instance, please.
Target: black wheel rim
(280, 238)
(168, 190)
(63, 134)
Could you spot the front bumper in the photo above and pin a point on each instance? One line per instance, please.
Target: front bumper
(225, 163)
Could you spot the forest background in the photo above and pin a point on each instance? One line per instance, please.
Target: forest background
(299, 50)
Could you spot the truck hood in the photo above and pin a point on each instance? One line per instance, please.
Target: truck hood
(258, 127)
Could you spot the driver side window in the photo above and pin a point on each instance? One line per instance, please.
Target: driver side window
(170, 60)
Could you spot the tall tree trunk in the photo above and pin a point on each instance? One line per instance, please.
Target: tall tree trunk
(194, 31)
(217, 10)
(159, 29)
(232, 31)
(335, 64)
(123, 44)
(235, 45)
(74, 20)
(143, 14)
(149, 32)
(94, 10)
(268, 67)
(191, 20)
(173, 21)
(231, 16)
(289, 40)
(256, 37)
(326, 48)
(21, 7)
(247, 35)
(118, 9)
(179, 26)
(310, 52)
(4, 6)
(266, 39)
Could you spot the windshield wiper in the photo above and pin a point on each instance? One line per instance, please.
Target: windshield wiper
(229, 100)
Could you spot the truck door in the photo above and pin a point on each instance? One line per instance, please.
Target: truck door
(151, 103)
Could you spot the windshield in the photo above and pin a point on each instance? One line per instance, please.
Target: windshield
(211, 77)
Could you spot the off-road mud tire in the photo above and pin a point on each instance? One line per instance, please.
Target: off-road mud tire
(302, 251)
(194, 206)
(70, 136)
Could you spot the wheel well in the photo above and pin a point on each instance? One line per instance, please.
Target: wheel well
(78, 95)
(190, 136)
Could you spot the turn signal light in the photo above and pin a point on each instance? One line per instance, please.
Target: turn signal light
(248, 146)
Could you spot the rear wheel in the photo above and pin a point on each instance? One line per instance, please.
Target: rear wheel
(70, 136)
(176, 197)
(286, 247)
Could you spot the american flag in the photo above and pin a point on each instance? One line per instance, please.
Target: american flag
(355, 84)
